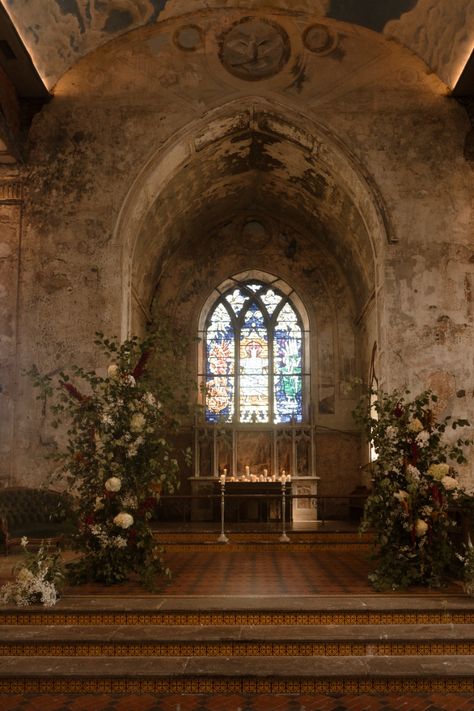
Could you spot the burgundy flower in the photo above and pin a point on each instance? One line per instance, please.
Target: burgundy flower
(398, 411)
(73, 391)
(140, 366)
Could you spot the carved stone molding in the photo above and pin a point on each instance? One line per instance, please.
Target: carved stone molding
(11, 191)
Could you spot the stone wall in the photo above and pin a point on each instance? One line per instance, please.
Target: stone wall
(339, 142)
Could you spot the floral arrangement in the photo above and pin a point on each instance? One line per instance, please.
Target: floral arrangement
(117, 459)
(415, 489)
(39, 577)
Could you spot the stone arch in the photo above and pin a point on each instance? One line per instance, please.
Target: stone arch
(302, 159)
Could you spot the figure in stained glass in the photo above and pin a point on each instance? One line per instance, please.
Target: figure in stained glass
(254, 357)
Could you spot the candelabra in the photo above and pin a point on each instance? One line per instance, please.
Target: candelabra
(283, 538)
(222, 537)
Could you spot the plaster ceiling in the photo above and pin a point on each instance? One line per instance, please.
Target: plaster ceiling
(57, 33)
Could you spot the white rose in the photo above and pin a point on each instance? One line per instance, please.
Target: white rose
(113, 371)
(438, 471)
(391, 432)
(421, 527)
(123, 520)
(449, 482)
(415, 425)
(137, 423)
(113, 484)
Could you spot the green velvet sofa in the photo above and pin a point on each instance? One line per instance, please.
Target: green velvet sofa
(38, 514)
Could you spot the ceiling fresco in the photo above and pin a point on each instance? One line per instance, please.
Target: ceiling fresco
(57, 33)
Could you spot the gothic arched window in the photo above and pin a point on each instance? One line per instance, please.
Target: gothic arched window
(254, 354)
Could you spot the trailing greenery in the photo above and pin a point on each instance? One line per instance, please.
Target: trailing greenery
(415, 484)
(119, 452)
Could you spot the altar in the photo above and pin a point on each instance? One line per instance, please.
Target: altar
(254, 462)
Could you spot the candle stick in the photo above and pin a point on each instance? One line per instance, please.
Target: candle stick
(247, 470)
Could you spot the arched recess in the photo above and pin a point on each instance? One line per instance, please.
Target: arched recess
(251, 153)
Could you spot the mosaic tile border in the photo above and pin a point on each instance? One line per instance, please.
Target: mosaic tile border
(238, 547)
(225, 685)
(234, 649)
(24, 617)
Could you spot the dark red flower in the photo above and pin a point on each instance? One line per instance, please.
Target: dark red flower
(140, 366)
(73, 391)
(89, 519)
(398, 411)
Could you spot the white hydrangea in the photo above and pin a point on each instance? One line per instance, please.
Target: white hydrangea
(99, 504)
(438, 471)
(449, 483)
(137, 422)
(415, 425)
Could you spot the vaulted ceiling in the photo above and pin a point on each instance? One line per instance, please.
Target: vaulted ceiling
(41, 39)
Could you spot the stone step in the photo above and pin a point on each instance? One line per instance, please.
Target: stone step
(223, 641)
(295, 674)
(237, 616)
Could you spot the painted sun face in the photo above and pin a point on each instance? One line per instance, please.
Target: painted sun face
(254, 49)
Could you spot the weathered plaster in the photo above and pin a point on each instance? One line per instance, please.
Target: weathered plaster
(148, 152)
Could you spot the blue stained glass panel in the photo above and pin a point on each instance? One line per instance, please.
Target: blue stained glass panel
(287, 359)
(254, 403)
(220, 366)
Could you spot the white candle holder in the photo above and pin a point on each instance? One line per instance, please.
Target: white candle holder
(283, 538)
(222, 538)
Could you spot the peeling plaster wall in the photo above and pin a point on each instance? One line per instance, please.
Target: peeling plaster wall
(95, 230)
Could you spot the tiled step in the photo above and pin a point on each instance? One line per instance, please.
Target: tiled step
(193, 644)
(237, 641)
(237, 674)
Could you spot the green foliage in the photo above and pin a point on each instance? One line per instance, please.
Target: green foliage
(414, 488)
(118, 454)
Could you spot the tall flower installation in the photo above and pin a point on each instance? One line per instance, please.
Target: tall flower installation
(415, 489)
(117, 458)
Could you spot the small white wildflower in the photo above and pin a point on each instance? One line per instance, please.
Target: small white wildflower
(422, 438)
(413, 472)
(401, 495)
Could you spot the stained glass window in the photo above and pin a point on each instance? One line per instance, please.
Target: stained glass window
(254, 357)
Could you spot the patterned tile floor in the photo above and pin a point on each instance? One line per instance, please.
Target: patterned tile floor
(116, 702)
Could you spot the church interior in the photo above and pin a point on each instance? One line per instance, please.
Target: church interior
(290, 183)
